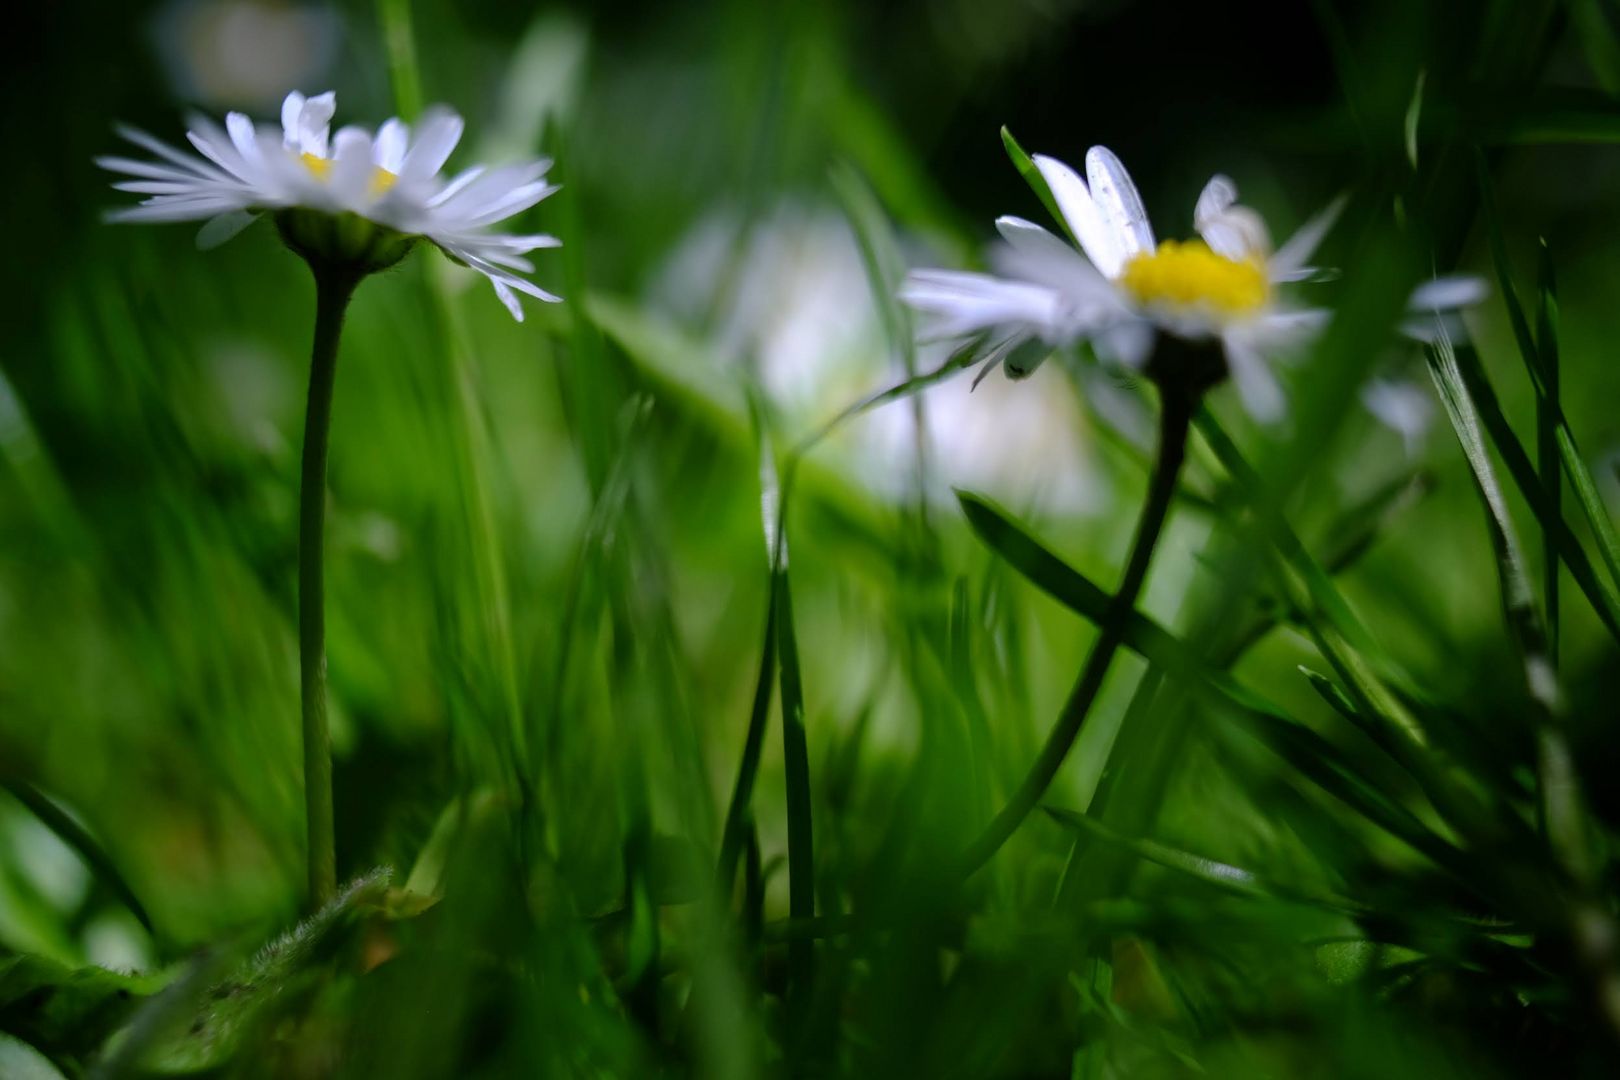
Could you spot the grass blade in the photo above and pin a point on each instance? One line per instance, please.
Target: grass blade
(1547, 423)
(1487, 411)
(74, 835)
(1517, 601)
(1312, 755)
(1342, 638)
(796, 762)
(1562, 809)
(1548, 403)
(1032, 176)
(1221, 875)
(738, 818)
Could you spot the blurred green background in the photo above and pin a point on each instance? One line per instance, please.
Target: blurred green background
(546, 558)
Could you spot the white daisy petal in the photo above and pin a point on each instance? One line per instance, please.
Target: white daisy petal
(511, 281)
(244, 136)
(1404, 407)
(1283, 331)
(223, 228)
(148, 170)
(169, 153)
(314, 123)
(1449, 293)
(1047, 258)
(351, 167)
(1116, 197)
(187, 210)
(1081, 215)
(1234, 231)
(391, 180)
(1257, 387)
(1127, 343)
(1216, 198)
(481, 191)
(389, 149)
(509, 298)
(521, 244)
(163, 187)
(461, 180)
(214, 144)
(1290, 259)
(1237, 233)
(966, 303)
(514, 202)
(292, 110)
(437, 134)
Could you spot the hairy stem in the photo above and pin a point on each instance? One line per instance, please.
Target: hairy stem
(1173, 426)
(333, 290)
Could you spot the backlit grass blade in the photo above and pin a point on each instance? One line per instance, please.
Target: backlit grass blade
(1339, 634)
(880, 256)
(1549, 408)
(1602, 595)
(1517, 600)
(1316, 758)
(1032, 176)
(1562, 811)
(1084, 597)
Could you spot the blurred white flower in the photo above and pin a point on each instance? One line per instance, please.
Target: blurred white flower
(244, 53)
(1404, 407)
(390, 179)
(790, 296)
(1122, 288)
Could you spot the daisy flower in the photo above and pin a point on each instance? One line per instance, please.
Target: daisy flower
(355, 198)
(1122, 288)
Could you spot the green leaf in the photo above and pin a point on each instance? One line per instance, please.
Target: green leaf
(277, 981)
(67, 1011)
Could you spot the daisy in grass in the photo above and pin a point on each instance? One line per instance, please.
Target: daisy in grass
(351, 204)
(1121, 287)
(354, 197)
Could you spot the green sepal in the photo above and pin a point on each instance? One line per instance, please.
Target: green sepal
(344, 241)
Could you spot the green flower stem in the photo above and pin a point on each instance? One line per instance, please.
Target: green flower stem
(1174, 422)
(333, 290)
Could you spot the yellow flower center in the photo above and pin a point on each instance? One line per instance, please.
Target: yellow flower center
(1190, 275)
(381, 179)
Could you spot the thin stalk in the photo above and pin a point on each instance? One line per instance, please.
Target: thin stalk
(1172, 450)
(333, 291)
